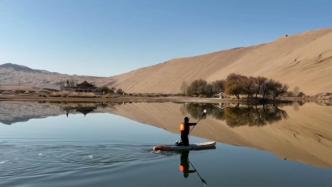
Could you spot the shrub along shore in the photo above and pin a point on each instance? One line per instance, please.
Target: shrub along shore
(253, 88)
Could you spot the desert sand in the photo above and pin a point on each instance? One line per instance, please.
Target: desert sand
(303, 60)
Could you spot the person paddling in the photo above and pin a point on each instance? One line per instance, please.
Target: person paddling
(184, 130)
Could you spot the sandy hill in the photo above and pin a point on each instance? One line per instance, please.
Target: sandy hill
(303, 60)
(13, 76)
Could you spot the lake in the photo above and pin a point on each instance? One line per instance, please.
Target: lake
(86, 144)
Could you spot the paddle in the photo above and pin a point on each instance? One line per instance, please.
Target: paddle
(200, 177)
(203, 114)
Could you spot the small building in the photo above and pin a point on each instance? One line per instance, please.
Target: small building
(85, 87)
(220, 95)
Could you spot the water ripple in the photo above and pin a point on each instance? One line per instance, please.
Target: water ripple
(21, 160)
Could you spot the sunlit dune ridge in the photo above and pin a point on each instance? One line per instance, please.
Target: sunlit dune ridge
(303, 60)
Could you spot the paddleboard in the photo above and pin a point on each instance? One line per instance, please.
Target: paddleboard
(199, 146)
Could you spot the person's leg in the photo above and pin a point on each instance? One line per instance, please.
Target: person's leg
(185, 140)
(182, 139)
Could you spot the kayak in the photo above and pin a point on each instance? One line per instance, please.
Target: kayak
(199, 146)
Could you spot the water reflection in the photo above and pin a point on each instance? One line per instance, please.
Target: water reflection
(185, 167)
(79, 108)
(296, 132)
(184, 164)
(252, 115)
(12, 111)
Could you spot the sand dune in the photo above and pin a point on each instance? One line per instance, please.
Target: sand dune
(303, 60)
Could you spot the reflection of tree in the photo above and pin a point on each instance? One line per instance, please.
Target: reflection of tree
(238, 116)
(218, 113)
(85, 110)
(196, 109)
(81, 108)
(253, 116)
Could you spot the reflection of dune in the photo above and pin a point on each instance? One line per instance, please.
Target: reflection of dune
(305, 136)
(12, 112)
(18, 111)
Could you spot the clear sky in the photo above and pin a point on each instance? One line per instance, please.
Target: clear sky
(108, 37)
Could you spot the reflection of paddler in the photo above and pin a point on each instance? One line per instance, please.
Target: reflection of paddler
(185, 164)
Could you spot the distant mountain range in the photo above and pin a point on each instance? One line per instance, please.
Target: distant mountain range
(13, 76)
(303, 60)
(16, 67)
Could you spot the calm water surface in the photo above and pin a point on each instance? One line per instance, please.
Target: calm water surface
(45, 144)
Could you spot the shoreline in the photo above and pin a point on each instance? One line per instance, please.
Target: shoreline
(102, 99)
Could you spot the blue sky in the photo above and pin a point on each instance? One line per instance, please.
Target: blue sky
(108, 37)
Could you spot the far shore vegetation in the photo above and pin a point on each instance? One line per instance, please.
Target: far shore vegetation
(239, 86)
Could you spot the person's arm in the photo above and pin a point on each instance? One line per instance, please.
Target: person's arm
(192, 124)
(191, 171)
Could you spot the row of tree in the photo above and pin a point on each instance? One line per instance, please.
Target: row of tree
(113, 90)
(236, 84)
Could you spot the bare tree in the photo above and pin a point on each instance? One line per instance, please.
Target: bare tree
(197, 88)
(218, 86)
(249, 86)
(259, 85)
(234, 85)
